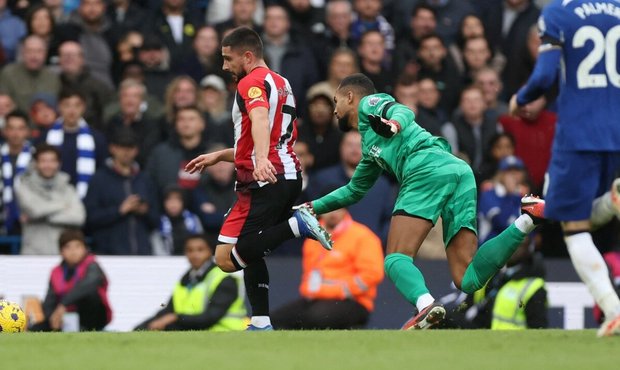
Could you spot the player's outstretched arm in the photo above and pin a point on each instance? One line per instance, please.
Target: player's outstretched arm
(200, 163)
(364, 177)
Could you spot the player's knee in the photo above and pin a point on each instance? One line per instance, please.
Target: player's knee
(223, 258)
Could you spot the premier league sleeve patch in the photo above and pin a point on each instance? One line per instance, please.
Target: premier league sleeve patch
(254, 92)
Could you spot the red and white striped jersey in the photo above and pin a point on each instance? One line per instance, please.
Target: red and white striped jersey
(265, 88)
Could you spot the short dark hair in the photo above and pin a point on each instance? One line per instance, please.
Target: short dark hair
(358, 82)
(16, 113)
(432, 36)
(45, 148)
(70, 235)
(244, 39)
(192, 108)
(70, 93)
(423, 6)
(199, 236)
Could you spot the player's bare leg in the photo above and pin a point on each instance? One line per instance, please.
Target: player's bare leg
(593, 271)
(222, 257)
(404, 240)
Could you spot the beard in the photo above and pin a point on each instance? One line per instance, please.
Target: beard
(343, 123)
(238, 76)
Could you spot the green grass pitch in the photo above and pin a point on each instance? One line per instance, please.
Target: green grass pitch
(369, 349)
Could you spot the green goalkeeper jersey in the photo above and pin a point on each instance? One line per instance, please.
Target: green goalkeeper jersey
(392, 155)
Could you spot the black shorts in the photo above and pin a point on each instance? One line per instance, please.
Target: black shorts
(258, 209)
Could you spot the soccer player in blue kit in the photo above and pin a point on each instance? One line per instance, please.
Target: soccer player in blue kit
(580, 41)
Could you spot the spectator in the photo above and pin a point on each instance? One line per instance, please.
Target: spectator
(428, 108)
(306, 18)
(74, 75)
(57, 9)
(176, 26)
(449, 14)
(166, 163)
(40, 22)
(523, 67)
(182, 92)
(372, 51)
(436, 64)
(343, 62)
(12, 29)
(48, 202)
(406, 92)
(374, 210)
(287, 55)
(43, 113)
(306, 160)
(82, 148)
(502, 145)
(507, 23)
(22, 79)
(476, 56)
(220, 194)
(90, 27)
(488, 80)
(205, 57)
(7, 105)
(15, 155)
(77, 285)
(133, 115)
(126, 51)
(533, 129)
(337, 288)
(154, 59)
(176, 224)
(125, 16)
(500, 203)
(337, 34)
(367, 17)
(242, 16)
(213, 102)
(121, 206)
(319, 130)
(423, 22)
(474, 130)
(204, 299)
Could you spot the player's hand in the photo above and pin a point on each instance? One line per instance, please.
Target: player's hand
(513, 106)
(264, 171)
(308, 206)
(384, 127)
(201, 162)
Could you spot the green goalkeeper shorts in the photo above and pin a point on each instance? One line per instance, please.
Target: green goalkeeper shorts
(436, 183)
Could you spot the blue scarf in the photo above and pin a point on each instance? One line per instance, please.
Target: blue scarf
(86, 164)
(11, 208)
(192, 224)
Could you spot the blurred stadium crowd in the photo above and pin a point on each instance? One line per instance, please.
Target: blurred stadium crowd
(103, 102)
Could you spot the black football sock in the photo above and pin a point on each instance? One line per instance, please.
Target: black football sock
(255, 246)
(256, 279)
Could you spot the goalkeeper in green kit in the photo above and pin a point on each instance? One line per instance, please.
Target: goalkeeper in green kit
(433, 183)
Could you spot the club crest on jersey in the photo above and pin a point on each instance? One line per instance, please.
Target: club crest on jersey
(373, 101)
(254, 92)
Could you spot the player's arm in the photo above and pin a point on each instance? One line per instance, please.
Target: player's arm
(263, 170)
(364, 177)
(203, 161)
(543, 76)
(390, 119)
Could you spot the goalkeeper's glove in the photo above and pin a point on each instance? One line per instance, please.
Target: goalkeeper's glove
(384, 127)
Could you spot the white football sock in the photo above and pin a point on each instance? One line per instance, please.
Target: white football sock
(292, 222)
(424, 301)
(525, 224)
(592, 270)
(602, 210)
(260, 321)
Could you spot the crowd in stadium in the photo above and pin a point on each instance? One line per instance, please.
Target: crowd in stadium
(125, 72)
(104, 102)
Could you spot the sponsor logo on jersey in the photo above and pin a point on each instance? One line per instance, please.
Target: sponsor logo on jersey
(254, 92)
(256, 100)
(374, 151)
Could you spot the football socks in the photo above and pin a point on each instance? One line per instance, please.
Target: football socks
(406, 276)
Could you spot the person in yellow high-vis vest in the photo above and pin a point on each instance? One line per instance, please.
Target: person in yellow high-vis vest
(206, 298)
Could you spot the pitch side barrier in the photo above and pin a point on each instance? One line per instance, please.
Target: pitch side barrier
(139, 286)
